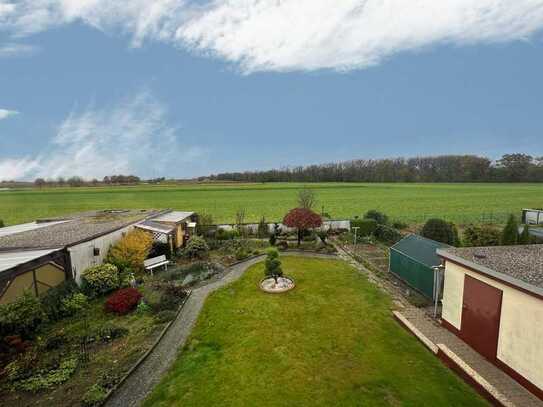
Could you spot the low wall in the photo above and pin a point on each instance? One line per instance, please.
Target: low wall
(253, 227)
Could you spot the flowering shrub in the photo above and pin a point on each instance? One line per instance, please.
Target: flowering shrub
(101, 279)
(123, 301)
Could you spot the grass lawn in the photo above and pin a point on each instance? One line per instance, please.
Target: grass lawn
(330, 341)
(460, 203)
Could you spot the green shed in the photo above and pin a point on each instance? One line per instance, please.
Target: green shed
(412, 260)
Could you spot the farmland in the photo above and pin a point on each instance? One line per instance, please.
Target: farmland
(462, 203)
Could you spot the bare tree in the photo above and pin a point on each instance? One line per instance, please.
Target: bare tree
(306, 198)
(240, 220)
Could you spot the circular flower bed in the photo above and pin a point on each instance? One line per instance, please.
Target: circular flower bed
(282, 285)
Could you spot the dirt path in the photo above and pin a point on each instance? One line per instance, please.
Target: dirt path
(142, 381)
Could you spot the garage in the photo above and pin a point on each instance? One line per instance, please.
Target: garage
(493, 300)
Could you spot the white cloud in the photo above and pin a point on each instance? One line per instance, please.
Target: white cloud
(283, 35)
(4, 113)
(132, 137)
(17, 50)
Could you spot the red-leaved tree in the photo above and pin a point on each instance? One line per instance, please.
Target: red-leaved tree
(302, 219)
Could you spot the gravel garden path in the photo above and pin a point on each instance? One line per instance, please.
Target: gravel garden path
(141, 382)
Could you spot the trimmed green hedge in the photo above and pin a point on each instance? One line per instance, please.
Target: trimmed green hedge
(367, 226)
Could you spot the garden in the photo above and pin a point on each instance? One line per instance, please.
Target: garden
(329, 341)
(73, 345)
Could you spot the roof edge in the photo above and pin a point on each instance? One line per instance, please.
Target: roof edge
(496, 275)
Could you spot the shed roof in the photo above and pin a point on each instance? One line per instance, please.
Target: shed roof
(155, 227)
(518, 265)
(11, 259)
(77, 228)
(420, 249)
(24, 227)
(173, 216)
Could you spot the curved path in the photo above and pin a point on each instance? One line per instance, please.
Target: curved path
(142, 381)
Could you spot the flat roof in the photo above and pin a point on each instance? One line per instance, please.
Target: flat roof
(520, 265)
(155, 227)
(8, 260)
(77, 228)
(23, 227)
(173, 216)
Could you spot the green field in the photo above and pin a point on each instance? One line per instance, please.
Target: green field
(461, 203)
(331, 341)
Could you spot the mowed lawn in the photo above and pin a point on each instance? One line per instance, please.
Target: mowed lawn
(329, 342)
(409, 202)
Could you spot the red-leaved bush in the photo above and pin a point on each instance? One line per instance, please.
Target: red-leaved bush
(302, 219)
(123, 301)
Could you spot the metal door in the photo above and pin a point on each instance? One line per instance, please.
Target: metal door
(481, 309)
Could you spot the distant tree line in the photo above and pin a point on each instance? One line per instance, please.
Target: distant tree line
(76, 181)
(515, 167)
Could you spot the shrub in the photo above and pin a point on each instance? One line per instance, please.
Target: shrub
(131, 250)
(387, 234)
(366, 227)
(2, 223)
(241, 253)
(302, 219)
(323, 235)
(510, 232)
(525, 237)
(109, 332)
(204, 226)
(165, 316)
(456, 236)
(272, 265)
(123, 301)
(55, 340)
(100, 279)
(48, 378)
(481, 235)
(143, 308)
(196, 248)
(400, 225)
(262, 231)
(21, 317)
(377, 216)
(94, 396)
(74, 303)
(51, 301)
(439, 230)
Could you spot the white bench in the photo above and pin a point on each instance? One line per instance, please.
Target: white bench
(154, 262)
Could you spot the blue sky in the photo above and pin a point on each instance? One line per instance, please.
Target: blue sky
(90, 88)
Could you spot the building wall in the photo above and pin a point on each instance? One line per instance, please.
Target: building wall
(82, 255)
(521, 325)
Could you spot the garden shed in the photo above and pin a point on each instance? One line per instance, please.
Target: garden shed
(412, 260)
(493, 300)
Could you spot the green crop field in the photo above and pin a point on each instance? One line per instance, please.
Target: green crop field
(461, 203)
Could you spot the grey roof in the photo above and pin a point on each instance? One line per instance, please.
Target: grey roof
(155, 226)
(520, 265)
(173, 216)
(79, 228)
(23, 227)
(9, 260)
(420, 249)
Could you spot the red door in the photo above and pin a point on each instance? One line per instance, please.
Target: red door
(481, 311)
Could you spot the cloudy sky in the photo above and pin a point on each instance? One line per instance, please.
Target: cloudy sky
(185, 88)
